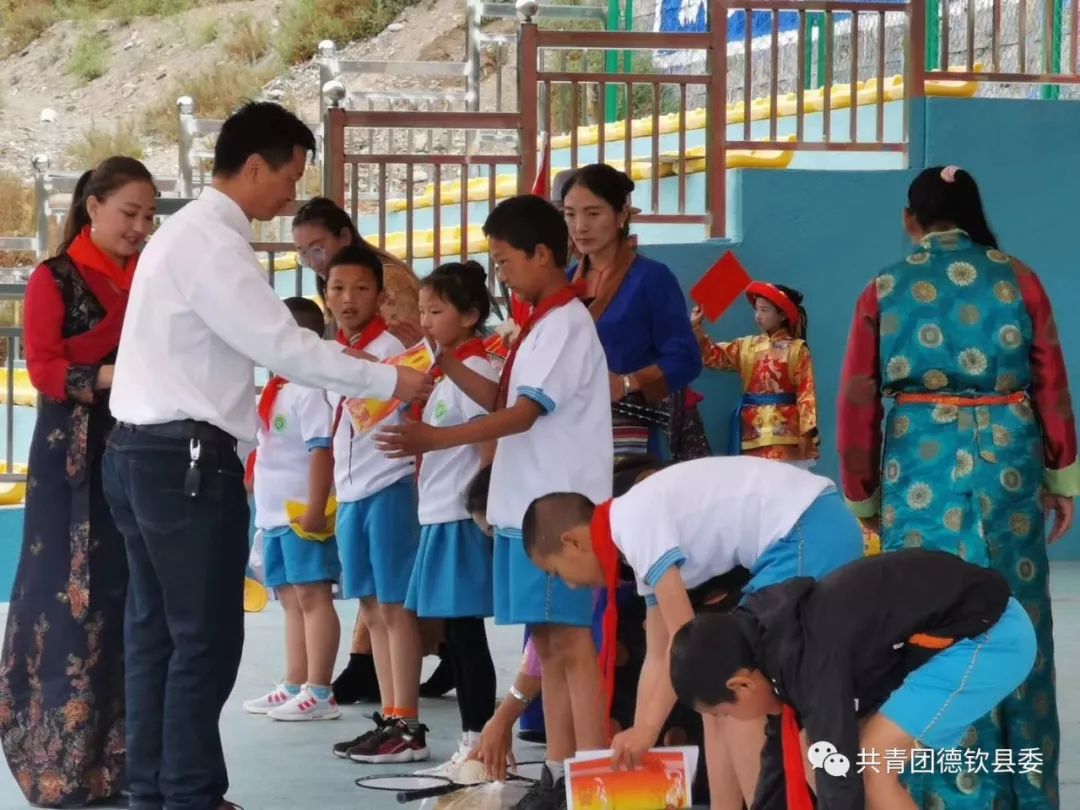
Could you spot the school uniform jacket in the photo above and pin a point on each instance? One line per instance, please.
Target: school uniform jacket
(834, 662)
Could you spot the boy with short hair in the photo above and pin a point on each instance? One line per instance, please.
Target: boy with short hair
(294, 463)
(377, 528)
(680, 530)
(552, 419)
(885, 655)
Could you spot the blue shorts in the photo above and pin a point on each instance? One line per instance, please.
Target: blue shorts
(378, 537)
(452, 574)
(289, 559)
(826, 537)
(963, 683)
(526, 595)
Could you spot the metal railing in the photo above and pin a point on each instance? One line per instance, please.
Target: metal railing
(479, 43)
(1016, 42)
(585, 94)
(853, 72)
(405, 170)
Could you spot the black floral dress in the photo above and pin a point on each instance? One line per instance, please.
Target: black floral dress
(62, 665)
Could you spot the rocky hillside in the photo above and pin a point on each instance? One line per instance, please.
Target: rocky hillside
(90, 87)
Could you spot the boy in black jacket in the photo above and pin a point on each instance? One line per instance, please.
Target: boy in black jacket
(889, 653)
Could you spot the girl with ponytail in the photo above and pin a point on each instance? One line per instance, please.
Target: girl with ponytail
(777, 414)
(978, 447)
(62, 689)
(452, 575)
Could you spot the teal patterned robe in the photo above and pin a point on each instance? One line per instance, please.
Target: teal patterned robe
(956, 319)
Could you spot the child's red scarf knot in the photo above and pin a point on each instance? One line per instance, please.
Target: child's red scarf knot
(375, 327)
(552, 302)
(607, 554)
(470, 348)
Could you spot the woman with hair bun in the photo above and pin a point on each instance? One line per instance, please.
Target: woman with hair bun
(62, 666)
(638, 306)
(978, 446)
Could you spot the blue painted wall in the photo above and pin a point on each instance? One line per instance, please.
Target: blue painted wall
(826, 233)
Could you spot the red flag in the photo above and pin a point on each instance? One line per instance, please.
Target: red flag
(720, 286)
(542, 184)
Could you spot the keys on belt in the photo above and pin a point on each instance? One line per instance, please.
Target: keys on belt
(193, 477)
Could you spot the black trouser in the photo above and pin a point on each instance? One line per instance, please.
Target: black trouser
(184, 619)
(474, 672)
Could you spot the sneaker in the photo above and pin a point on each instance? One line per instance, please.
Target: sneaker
(452, 769)
(394, 744)
(342, 749)
(271, 700)
(547, 794)
(306, 706)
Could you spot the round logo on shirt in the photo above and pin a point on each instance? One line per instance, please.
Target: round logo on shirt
(279, 423)
(440, 410)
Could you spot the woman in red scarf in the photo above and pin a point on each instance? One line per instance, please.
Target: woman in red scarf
(61, 671)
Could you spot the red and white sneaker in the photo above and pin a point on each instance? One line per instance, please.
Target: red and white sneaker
(306, 706)
(278, 696)
(394, 744)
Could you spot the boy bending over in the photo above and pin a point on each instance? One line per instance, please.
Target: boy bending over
(885, 655)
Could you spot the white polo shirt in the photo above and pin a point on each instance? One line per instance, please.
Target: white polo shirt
(360, 469)
(561, 366)
(201, 316)
(299, 423)
(445, 474)
(709, 515)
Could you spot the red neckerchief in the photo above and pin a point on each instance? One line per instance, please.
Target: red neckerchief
(265, 409)
(470, 348)
(554, 301)
(796, 789)
(85, 253)
(604, 547)
(268, 398)
(109, 284)
(375, 327)
(519, 309)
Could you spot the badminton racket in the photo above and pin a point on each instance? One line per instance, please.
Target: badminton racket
(412, 787)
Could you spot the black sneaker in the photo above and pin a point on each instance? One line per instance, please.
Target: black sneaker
(534, 736)
(357, 682)
(395, 743)
(547, 794)
(342, 749)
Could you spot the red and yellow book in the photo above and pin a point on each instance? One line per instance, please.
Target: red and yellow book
(662, 781)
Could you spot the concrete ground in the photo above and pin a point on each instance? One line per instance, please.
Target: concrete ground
(281, 766)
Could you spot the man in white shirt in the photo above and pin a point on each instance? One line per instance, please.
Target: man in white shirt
(199, 318)
(682, 530)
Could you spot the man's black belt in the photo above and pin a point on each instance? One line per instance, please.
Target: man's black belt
(186, 429)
